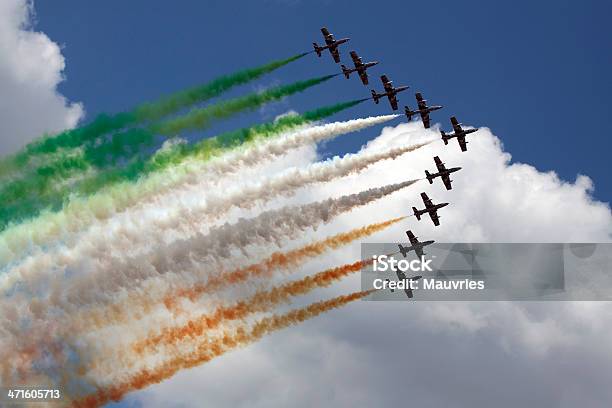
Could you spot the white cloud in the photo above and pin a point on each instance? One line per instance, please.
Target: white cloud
(547, 354)
(31, 68)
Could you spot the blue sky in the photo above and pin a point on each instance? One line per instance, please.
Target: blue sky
(536, 74)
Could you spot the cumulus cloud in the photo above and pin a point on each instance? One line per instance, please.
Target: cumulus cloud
(476, 354)
(31, 67)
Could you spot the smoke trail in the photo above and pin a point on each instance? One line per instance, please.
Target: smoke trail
(276, 261)
(202, 93)
(213, 205)
(140, 302)
(27, 197)
(104, 124)
(200, 118)
(261, 301)
(211, 348)
(60, 294)
(285, 183)
(78, 214)
(185, 259)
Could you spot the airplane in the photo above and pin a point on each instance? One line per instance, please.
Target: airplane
(390, 92)
(401, 275)
(430, 208)
(415, 245)
(423, 110)
(458, 132)
(330, 44)
(443, 173)
(360, 68)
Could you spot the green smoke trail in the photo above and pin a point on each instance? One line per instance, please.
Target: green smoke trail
(130, 143)
(200, 118)
(189, 97)
(54, 200)
(104, 124)
(207, 148)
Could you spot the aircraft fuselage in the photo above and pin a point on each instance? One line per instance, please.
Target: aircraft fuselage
(445, 172)
(430, 109)
(363, 67)
(431, 209)
(335, 43)
(397, 90)
(420, 245)
(462, 133)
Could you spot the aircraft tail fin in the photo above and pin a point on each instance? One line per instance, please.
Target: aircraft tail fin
(375, 96)
(317, 48)
(345, 71)
(402, 250)
(444, 137)
(416, 213)
(409, 113)
(429, 178)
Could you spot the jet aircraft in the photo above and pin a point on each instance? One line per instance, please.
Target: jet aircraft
(443, 173)
(330, 44)
(422, 110)
(401, 275)
(415, 245)
(458, 132)
(390, 92)
(360, 68)
(430, 208)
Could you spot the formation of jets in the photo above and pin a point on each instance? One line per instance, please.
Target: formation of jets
(390, 92)
(423, 110)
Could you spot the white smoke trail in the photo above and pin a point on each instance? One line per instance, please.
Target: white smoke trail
(186, 256)
(82, 213)
(50, 315)
(151, 231)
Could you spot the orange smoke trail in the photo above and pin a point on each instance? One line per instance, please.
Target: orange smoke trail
(260, 302)
(212, 348)
(140, 304)
(277, 260)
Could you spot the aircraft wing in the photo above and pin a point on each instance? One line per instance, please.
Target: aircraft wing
(329, 38)
(420, 101)
(447, 181)
(393, 101)
(412, 238)
(419, 251)
(334, 52)
(434, 217)
(462, 143)
(456, 125)
(425, 118)
(439, 164)
(426, 200)
(356, 59)
(363, 75)
(386, 83)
